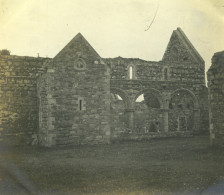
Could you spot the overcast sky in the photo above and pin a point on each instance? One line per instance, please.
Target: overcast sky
(113, 27)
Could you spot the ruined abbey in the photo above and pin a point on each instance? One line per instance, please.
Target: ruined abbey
(79, 97)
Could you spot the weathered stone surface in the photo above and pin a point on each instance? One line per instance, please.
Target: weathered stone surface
(177, 83)
(18, 97)
(79, 97)
(216, 99)
(80, 112)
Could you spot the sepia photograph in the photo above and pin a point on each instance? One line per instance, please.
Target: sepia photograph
(112, 97)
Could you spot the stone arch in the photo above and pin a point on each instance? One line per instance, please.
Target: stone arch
(155, 92)
(123, 95)
(147, 117)
(80, 64)
(174, 53)
(183, 111)
(196, 104)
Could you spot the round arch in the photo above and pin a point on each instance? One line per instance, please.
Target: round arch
(131, 67)
(195, 100)
(183, 111)
(123, 95)
(155, 92)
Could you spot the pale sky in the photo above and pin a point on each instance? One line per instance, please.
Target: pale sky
(113, 27)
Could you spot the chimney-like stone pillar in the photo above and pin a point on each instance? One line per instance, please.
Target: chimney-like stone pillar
(216, 99)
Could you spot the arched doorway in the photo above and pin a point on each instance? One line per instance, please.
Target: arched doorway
(148, 116)
(182, 108)
(119, 102)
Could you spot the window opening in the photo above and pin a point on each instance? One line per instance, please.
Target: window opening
(131, 73)
(140, 98)
(80, 64)
(80, 104)
(165, 74)
(118, 97)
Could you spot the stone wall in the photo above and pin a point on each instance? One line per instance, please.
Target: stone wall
(67, 100)
(216, 99)
(181, 112)
(204, 107)
(75, 97)
(63, 120)
(45, 134)
(118, 118)
(164, 90)
(147, 119)
(180, 74)
(156, 71)
(18, 98)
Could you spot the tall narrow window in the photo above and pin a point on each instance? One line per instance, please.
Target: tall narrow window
(131, 69)
(165, 74)
(130, 72)
(80, 104)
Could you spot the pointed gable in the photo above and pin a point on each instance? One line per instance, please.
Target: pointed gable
(180, 49)
(77, 48)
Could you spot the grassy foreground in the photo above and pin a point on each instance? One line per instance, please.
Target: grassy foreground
(158, 166)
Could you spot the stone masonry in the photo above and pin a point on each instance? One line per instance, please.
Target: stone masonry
(78, 97)
(18, 98)
(74, 97)
(174, 87)
(216, 99)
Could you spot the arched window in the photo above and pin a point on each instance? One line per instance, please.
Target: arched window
(131, 72)
(80, 104)
(174, 53)
(149, 99)
(181, 113)
(165, 74)
(80, 64)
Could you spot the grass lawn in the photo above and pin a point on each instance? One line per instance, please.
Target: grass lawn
(157, 166)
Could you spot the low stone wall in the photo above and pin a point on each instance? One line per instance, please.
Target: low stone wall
(127, 136)
(216, 99)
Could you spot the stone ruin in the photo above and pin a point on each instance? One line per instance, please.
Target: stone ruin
(79, 97)
(215, 77)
